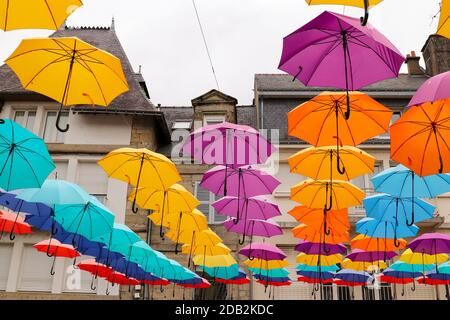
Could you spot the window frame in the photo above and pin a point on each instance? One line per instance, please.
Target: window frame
(211, 214)
(54, 140)
(211, 119)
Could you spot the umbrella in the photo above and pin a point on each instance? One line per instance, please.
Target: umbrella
(318, 163)
(402, 182)
(204, 284)
(434, 89)
(385, 207)
(307, 233)
(211, 250)
(365, 4)
(431, 243)
(395, 280)
(367, 243)
(260, 274)
(444, 26)
(304, 267)
(353, 276)
(228, 144)
(313, 280)
(140, 168)
(335, 220)
(254, 227)
(411, 257)
(121, 279)
(264, 251)
(226, 272)
(433, 282)
(266, 264)
(336, 51)
(13, 223)
(275, 283)
(317, 248)
(327, 112)
(214, 261)
(386, 229)
(95, 268)
(340, 282)
(56, 249)
(79, 73)
(358, 255)
(319, 260)
(414, 268)
(363, 265)
(36, 14)
(251, 208)
(419, 138)
(24, 158)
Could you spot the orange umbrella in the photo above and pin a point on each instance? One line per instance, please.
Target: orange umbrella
(321, 121)
(310, 234)
(420, 138)
(314, 218)
(367, 243)
(13, 223)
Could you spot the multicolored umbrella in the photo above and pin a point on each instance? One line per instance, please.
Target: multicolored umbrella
(24, 158)
(353, 276)
(411, 257)
(431, 243)
(334, 50)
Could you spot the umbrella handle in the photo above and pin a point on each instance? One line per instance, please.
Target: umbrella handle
(326, 230)
(50, 255)
(410, 224)
(241, 242)
(365, 19)
(134, 208)
(300, 69)
(93, 287)
(107, 289)
(414, 286)
(12, 236)
(396, 242)
(403, 291)
(161, 232)
(2, 121)
(52, 270)
(58, 120)
(54, 228)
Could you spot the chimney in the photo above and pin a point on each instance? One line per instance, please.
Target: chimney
(414, 68)
(436, 53)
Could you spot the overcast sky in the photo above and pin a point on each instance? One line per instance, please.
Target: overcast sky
(244, 37)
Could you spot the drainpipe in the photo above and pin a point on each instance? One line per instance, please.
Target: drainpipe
(262, 113)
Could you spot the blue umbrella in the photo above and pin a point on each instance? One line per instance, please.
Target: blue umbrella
(24, 158)
(391, 208)
(438, 276)
(353, 276)
(271, 279)
(401, 274)
(385, 229)
(324, 275)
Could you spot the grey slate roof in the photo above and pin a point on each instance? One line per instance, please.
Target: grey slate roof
(173, 114)
(105, 39)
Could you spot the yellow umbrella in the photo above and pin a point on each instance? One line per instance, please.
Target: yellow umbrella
(411, 257)
(195, 238)
(266, 264)
(444, 19)
(214, 261)
(320, 163)
(141, 168)
(323, 194)
(215, 250)
(363, 266)
(69, 71)
(316, 260)
(35, 14)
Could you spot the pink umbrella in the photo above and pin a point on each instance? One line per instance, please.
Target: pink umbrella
(320, 248)
(358, 255)
(334, 50)
(431, 243)
(263, 251)
(228, 144)
(435, 88)
(254, 227)
(251, 208)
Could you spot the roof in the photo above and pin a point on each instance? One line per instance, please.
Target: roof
(284, 83)
(106, 39)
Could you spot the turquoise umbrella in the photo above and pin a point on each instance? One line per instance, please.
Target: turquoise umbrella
(304, 267)
(225, 273)
(118, 239)
(24, 158)
(406, 267)
(272, 273)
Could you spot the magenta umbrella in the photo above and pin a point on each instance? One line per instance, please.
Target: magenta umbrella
(358, 255)
(263, 251)
(324, 249)
(254, 227)
(431, 243)
(228, 144)
(334, 50)
(435, 88)
(251, 208)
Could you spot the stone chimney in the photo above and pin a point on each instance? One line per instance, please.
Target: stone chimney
(436, 53)
(414, 68)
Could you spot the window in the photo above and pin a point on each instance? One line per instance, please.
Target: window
(327, 291)
(368, 293)
(5, 260)
(26, 118)
(93, 179)
(76, 280)
(344, 293)
(210, 119)
(60, 173)
(206, 199)
(35, 271)
(385, 292)
(186, 125)
(51, 133)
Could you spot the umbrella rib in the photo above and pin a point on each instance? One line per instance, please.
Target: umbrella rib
(330, 111)
(341, 112)
(426, 146)
(22, 148)
(95, 78)
(29, 164)
(423, 130)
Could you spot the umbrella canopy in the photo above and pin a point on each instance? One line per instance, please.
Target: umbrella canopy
(211, 250)
(444, 25)
(319, 194)
(407, 211)
(414, 268)
(263, 251)
(386, 229)
(444, 268)
(204, 284)
(334, 50)
(320, 164)
(255, 227)
(395, 280)
(259, 273)
(36, 14)
(95, 268)
(438, 276)
(433, 282)
(313, 281)
(318, 248)
(353, 276)
(11, 201)
(250, 208)
(322, 275)
(307, 233)
(227, 273)
(266, 264)
(57, 249)
(363, 265)
(358, 255)
(121, 279)
(431, 243)
(419, 138)
(267, 279)
(402, 182)
(228, 144)
(118, 239)
(367, 243)
(304, 267)
(319, 260)
(340, 282)
(55, 192)
(434, 89)
(79, 72)
(201, 239)
(411, 257)
(214, 261)
(24, 158)
(13, 223)
(337, 220)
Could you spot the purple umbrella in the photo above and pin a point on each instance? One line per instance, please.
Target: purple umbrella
(435, 88)
(358, 255)
(320, 248)
(334, 50)
(263, 251)
(251, 208)
(254, 227)
(431, 243)
(228, 144)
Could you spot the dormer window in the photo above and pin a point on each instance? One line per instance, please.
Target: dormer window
(213, 119)
(182, 125)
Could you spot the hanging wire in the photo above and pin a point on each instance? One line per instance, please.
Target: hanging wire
(206, 44)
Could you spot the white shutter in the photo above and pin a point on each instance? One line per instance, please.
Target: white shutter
(92, 178)
(5, 260)
(76, 280)
(203, 196)
(35, 271)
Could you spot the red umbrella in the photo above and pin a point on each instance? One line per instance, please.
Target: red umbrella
(160, 282)
(122, 279)
(396, 280)
(13, 223)
(433, 282)
(314, 281)
(234, 281)
(274, 284)
(94, 268)
(56, 249)
(340, 282)
(202, 285)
